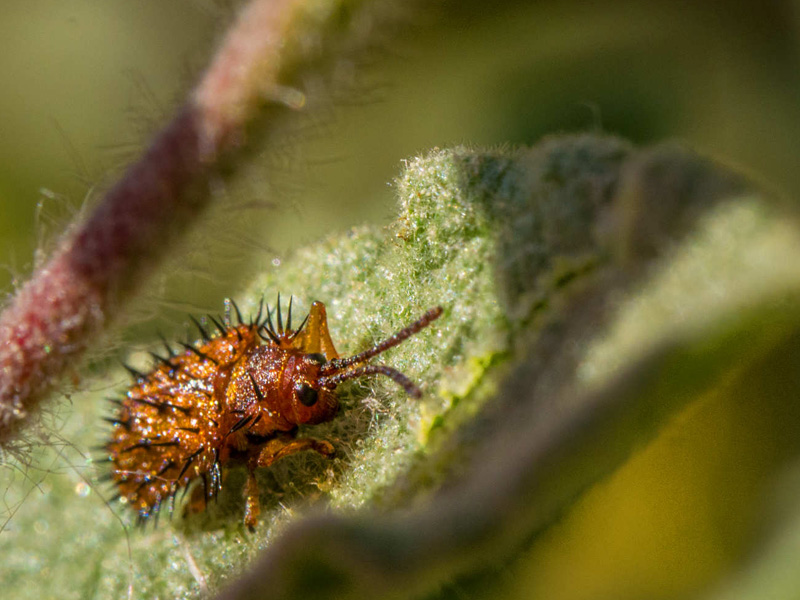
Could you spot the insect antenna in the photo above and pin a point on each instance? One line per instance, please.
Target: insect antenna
(409, 386)
(337, 364)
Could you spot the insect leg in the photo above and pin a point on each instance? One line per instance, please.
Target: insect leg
(252, 507)
(279, 447)
(271, 451)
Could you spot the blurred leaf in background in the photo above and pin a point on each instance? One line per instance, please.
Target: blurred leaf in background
(83, 85)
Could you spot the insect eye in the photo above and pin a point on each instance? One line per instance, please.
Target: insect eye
(317, 358)
(307, 395)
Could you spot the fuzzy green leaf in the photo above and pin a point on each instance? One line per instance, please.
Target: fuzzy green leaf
(591, 292)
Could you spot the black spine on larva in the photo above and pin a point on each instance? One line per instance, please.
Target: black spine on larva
(204, 477)
(199, 353)
(257, 320)
(201, 329)
(117, 421)
(157, 405)
(257, 390)
(270, 328)
(170, 351)
(241, 423)
(280, 318)
(137, 375)
(299, 329)
(239, 319)
(222, 331)
(271, 337)
(158, 359)
(189, 461)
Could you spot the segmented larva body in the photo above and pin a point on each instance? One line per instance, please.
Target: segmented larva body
(236, 397)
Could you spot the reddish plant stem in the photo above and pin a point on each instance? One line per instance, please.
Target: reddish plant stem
(48, 324)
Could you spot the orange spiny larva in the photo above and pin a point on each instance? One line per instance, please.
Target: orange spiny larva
(235, 397)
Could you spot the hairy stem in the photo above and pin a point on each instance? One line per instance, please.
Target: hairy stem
(49, 323)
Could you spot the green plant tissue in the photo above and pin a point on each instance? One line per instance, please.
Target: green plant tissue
(514, 244)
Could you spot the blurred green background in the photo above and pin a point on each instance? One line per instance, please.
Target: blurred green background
(85, 82)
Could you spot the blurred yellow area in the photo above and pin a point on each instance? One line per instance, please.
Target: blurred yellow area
(684, 510)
